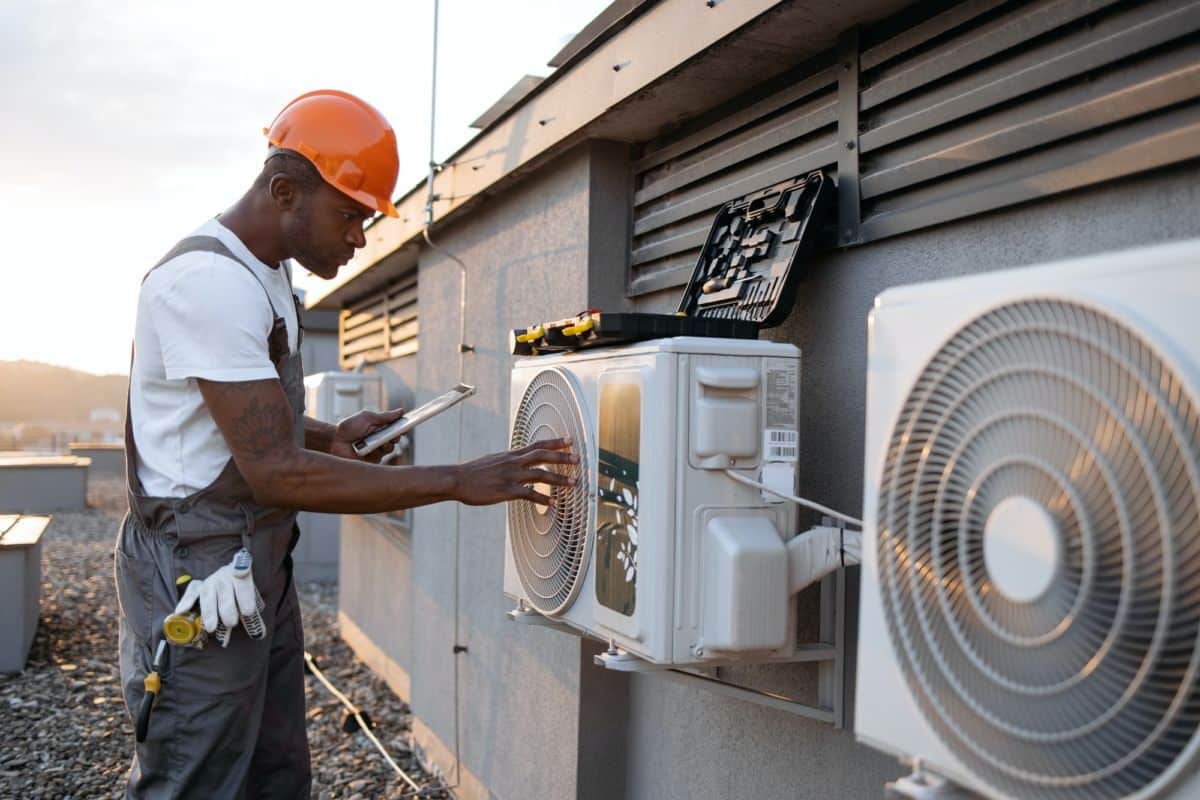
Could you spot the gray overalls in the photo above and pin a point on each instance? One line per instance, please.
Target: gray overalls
(228, 723)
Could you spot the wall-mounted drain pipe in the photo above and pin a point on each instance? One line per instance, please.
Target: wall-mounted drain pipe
(458, 649)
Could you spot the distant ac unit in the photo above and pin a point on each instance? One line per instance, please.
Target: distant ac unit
(657, 550)
(1030, 608)
(332, 396)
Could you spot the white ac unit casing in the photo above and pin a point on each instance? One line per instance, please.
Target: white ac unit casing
(333, 396)
(1031, 552)
(657, 550)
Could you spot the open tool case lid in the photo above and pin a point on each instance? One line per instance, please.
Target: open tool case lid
(745, 278)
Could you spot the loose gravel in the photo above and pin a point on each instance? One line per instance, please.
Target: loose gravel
(66, 733)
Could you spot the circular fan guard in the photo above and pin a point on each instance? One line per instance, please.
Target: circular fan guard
(1089, 689)
(551, 547)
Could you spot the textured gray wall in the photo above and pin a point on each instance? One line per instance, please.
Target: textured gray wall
(526, 256)
(685, 743)
(375, 569)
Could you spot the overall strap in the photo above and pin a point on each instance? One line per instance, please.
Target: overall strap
(211, 244)
(191, 244)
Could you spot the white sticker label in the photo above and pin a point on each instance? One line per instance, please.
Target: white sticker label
(781, 442)
(783, 393)
(781, 445)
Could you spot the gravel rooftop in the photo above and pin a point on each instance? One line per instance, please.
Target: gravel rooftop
(66, 731)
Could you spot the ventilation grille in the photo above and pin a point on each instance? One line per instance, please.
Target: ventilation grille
(1089, 689)
(955, 109)
(988, 103)
(680, 183)
(381, 326)
(551, 547)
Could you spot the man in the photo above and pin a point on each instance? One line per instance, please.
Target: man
(220, 457)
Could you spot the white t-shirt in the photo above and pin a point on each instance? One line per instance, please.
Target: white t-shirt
(200, 315)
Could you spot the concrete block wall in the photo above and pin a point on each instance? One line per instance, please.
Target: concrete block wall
(36, 484)
(20, 587)
(107, 460)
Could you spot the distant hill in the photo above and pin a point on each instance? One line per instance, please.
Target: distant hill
(30, 391)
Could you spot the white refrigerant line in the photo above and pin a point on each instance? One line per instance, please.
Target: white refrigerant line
(362, 723)
(792, 498)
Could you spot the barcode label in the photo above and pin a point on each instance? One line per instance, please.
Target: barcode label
(781, 445)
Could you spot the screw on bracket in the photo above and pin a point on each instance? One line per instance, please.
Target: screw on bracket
(460, 648)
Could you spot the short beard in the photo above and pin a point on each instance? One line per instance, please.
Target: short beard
(297, 237)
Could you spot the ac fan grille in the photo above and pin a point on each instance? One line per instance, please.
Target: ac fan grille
(1090, 689)
(551, 547)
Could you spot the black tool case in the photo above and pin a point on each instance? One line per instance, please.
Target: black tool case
(745, 279)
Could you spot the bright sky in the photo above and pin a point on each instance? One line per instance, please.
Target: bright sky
(126, 123)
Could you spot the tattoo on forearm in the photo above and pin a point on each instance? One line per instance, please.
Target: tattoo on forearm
(318, 435)
(261, 429)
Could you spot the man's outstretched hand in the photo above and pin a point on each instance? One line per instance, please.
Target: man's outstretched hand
(356, 426)
(518, 474)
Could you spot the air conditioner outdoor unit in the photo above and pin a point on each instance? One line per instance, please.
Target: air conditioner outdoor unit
(656, 550)
(330, 397)
(1030, 607)
(333, 396)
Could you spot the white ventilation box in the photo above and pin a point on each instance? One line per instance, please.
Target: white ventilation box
(330, 397)
(656, 550)
(1030, 608)
(333, 396)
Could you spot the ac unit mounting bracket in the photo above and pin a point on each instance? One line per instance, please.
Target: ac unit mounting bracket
(619, 660)
(526, 616)
(925, 785)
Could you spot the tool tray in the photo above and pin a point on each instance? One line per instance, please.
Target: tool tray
(745, 279)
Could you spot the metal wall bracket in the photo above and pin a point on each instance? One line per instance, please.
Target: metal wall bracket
(828, 655)
(620, 660)
(849, 207)
(525, 616)
(924, 785)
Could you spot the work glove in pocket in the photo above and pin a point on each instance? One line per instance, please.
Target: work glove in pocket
(227, 597)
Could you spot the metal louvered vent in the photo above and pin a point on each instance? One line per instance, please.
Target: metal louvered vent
(551, 547)
(1039, 553)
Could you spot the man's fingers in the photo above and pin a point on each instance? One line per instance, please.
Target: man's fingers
(547, 456)
(378, 419)
(546, 476)
(534, 496)
(546, 444)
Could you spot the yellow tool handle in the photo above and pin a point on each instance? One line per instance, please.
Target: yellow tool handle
(152, 683)
(531, 335)
(583, 326)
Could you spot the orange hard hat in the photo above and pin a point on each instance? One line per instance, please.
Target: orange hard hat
(347, 140)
